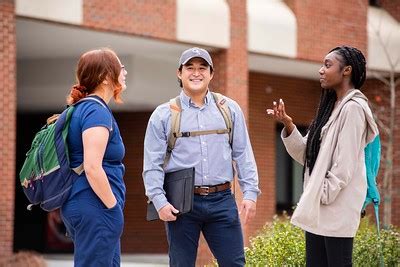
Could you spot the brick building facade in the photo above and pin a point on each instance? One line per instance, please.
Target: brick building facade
(319, 27)
(7, 122)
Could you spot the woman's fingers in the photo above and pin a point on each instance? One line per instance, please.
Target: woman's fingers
(278, 110)
(270, 111)
(281, 107)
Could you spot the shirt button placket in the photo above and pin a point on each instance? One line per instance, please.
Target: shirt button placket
(203, 149)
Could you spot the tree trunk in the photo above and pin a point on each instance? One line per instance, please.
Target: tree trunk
(388, 177)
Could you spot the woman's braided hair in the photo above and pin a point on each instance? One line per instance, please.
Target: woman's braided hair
(349, 56)
(353, 57)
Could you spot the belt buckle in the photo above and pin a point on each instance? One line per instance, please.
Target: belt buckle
(207, 190)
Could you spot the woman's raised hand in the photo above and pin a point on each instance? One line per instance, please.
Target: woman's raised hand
(279, 113)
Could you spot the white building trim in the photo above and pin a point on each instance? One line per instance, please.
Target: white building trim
(70, 11)
(272, 28)
(383, 33)
(205, 22)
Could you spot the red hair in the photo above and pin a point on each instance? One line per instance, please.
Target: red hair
(94, 67)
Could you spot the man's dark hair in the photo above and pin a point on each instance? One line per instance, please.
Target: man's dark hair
(180, 70)
(349, 56)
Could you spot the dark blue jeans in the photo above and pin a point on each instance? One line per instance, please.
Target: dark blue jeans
(95, 230)
(216, 216)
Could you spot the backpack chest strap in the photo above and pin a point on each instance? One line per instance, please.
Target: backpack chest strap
(198, 133)
(176, 112)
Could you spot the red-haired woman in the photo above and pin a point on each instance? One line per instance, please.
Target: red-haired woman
(93, 214)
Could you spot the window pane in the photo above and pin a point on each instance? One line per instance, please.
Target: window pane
(289, 175)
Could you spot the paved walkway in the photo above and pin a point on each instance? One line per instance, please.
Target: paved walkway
(127, 260)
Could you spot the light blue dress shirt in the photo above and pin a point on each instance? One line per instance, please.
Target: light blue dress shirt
(211, 155)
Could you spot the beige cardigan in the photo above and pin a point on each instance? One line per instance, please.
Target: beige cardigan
(336, 189)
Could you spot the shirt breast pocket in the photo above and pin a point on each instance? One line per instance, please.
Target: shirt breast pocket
(222, 146)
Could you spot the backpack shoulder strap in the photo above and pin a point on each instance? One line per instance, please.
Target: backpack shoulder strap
(89, 98)
(176, 113)
(80, 169)
(176, 108)
(94, 99)
(222, 105)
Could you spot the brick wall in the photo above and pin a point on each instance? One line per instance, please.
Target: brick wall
(322, 25)
(150, 18)
(7, 121)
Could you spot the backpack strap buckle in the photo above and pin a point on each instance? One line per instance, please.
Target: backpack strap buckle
(185, 134)
(182, 134)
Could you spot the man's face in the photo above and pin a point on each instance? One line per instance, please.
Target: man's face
(195, 75)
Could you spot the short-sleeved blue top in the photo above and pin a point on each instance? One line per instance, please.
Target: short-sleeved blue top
(90, 114)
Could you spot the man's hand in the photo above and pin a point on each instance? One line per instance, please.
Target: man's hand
(167, 212)
(249, 209)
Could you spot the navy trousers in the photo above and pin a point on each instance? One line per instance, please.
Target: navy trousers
(216, 216)
(325, 251)
(95, 230)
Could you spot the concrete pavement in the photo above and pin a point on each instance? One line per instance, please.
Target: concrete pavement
(127, 260)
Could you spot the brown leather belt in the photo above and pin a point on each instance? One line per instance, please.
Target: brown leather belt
(205, 190)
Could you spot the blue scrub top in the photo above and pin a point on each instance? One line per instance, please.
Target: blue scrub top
(92, 114)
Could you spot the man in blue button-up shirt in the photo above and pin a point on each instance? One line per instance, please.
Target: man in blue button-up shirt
(214, 214)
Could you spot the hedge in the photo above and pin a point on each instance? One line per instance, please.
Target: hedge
(280, 243)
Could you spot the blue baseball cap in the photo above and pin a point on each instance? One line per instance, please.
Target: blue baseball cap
(195, 52)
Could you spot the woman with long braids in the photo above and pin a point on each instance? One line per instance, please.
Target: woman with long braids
(332, 154)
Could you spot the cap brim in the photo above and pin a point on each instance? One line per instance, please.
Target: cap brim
(190, 58)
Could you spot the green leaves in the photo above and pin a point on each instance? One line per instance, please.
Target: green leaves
(280, 243)
(367, 246)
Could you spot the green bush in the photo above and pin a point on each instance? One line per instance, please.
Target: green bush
(281, 244)
(367, 245)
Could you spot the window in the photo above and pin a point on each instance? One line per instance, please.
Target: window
(289, 176)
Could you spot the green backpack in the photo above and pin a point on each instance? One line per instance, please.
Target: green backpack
(46, 176)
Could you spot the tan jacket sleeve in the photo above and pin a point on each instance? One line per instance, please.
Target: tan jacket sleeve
(295, 144)
(347, 153)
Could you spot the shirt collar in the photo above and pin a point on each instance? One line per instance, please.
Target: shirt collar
(186, 100)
